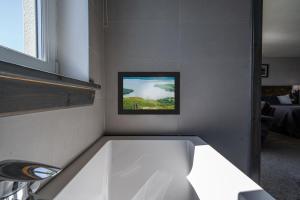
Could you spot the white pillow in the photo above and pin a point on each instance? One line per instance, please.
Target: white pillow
(285, 99)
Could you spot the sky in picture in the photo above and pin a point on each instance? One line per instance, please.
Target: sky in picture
(11, 23)
(147, 87)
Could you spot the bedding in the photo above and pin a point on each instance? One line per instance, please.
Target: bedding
(267, 109)
(277, 100)
(285, 100)
(287, 120)
(273, 100)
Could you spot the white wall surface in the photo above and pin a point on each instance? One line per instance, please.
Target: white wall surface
(56, 137)
(73, 38)
(53, 137)
(209, 42)
(282, 71)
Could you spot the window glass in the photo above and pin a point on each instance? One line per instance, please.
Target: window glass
(20, 22)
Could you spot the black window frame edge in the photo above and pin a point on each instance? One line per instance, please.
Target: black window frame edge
(256, 61)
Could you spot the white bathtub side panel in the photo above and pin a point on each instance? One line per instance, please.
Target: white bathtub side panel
(155, 170)
(92, 181)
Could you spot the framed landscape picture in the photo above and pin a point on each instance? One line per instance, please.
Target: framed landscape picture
(149, 92)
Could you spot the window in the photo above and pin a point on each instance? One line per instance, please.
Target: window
(25, 33)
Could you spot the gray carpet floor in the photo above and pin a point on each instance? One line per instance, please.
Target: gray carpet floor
(280, 167)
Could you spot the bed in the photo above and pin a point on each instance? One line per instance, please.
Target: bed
(286, 117)
(286, 120)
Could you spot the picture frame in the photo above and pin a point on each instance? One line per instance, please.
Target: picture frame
(149, 93)
(265, 70)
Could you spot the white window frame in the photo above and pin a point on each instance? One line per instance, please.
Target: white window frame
(48, 61)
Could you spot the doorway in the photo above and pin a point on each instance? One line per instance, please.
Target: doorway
(279, 102)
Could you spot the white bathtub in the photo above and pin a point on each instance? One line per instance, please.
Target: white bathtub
(152, 168)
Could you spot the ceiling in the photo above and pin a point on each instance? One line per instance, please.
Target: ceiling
(281, 28)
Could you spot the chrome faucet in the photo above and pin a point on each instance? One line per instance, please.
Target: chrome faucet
(19, 180)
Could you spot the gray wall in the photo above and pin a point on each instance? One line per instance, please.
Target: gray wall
(283, 71)
(209, 42)
(56, 137)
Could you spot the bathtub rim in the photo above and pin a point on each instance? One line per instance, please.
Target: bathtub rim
(57, 184)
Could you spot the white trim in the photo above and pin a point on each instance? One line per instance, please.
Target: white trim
(47, 61)
(49, 33)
